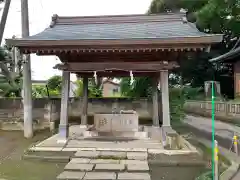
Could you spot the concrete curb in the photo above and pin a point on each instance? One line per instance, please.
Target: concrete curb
(232, 169)
(230, 172)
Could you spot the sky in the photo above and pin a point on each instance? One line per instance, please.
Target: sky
(41, 11)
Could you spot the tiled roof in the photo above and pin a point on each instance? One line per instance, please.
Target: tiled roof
(136, 29)
(119, 27)
(171, 29)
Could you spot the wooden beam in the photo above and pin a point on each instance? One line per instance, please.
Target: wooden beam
(117, 66)
(116, 74)
(55, 50)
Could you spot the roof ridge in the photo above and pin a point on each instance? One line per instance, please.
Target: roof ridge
(107, 19)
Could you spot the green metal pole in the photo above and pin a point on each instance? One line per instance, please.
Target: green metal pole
(213, 133)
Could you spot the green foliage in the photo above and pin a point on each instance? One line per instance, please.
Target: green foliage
(53, 88)
(210, 16)
(54, 93)
(205, 176)
(94, 89)
(55, 83)
(79, 90)
(142, 87)
(39, 91)
(10, 81)
(193, 93)
(176, 98)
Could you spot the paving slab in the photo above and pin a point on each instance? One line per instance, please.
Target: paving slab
(71, 175)
(80, 160)
(155, 151)
(87, 154)
(71, 149)
(79, 167)
(104, 161)
(100, 176)
(113, 154)
(133, 162)
(46, 148)
(138, 149)
(109, 167)
(134, 176)
(137, 155)
(78, 149)
(137, 167)
(114, 149)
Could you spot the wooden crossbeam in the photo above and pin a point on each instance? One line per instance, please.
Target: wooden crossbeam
(117, 66)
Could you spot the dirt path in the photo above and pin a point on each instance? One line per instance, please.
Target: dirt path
(12, 167)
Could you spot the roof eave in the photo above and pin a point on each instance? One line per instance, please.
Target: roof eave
(227, 56)
(209, 39)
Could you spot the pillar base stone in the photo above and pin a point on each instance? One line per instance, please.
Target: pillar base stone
(166, 127)
(61, 141)
(84, 120)
(63, 133)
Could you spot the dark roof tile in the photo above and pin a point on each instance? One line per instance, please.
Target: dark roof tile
(141, 30)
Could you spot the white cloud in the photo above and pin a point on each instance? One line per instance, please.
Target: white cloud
(41, 11)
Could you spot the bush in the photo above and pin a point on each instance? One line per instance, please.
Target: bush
(205, 176)
(176, 103)
(193, 93)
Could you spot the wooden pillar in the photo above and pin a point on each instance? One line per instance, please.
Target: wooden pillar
(165, 98)
(155, 102)
(85, 102)
(63, 126)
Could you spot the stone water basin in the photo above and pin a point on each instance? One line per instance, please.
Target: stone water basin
(125, 121)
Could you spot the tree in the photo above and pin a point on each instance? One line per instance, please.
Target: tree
(10, 79)
(55, 83)
(94, 88)
(4, 17)
(210, 16)
(39, 91)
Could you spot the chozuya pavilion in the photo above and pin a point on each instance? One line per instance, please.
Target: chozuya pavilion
(117, 46)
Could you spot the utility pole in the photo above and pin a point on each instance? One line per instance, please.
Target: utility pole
(4, 18)
(27, 84)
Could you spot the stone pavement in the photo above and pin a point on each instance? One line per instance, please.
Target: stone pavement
(107, 165)
(77, 141)
(222, 129)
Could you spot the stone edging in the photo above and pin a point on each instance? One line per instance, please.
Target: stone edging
(231, 171)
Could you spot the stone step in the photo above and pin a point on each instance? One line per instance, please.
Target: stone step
(72, 175)
(50, 156)
(80, 164)
(112, 155)
(56, 159)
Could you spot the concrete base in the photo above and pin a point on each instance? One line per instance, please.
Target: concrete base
(154, 132)
(52, 126)
(83, 127)
(136, 135)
